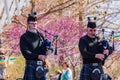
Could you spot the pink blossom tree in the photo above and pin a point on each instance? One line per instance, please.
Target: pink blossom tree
(68, 32)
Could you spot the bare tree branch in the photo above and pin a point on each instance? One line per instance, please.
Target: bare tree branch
(56, 9)
(15, 20)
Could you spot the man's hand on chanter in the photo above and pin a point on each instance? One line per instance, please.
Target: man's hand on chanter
(42, 57)
(100, 56)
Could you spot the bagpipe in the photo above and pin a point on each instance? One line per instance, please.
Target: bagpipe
(104, 44)
(47, 44)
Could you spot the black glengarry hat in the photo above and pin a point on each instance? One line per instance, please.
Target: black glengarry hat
(91, 25)
(31, 18)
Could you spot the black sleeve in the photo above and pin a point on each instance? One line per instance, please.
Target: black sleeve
(24, 47)
(83, 49)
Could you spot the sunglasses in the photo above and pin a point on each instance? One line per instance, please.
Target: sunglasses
(92, 30)
(32, 23)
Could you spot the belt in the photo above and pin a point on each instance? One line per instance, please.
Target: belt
(39, 62)
(95, 64)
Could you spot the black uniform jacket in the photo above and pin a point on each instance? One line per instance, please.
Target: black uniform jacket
(30, 45)
(89, 47)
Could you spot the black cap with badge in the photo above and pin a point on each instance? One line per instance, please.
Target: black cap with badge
(31, 18)
(91, 24)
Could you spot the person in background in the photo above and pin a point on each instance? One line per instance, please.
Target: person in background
(58, 73)
(51, 77)
(67, 72)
